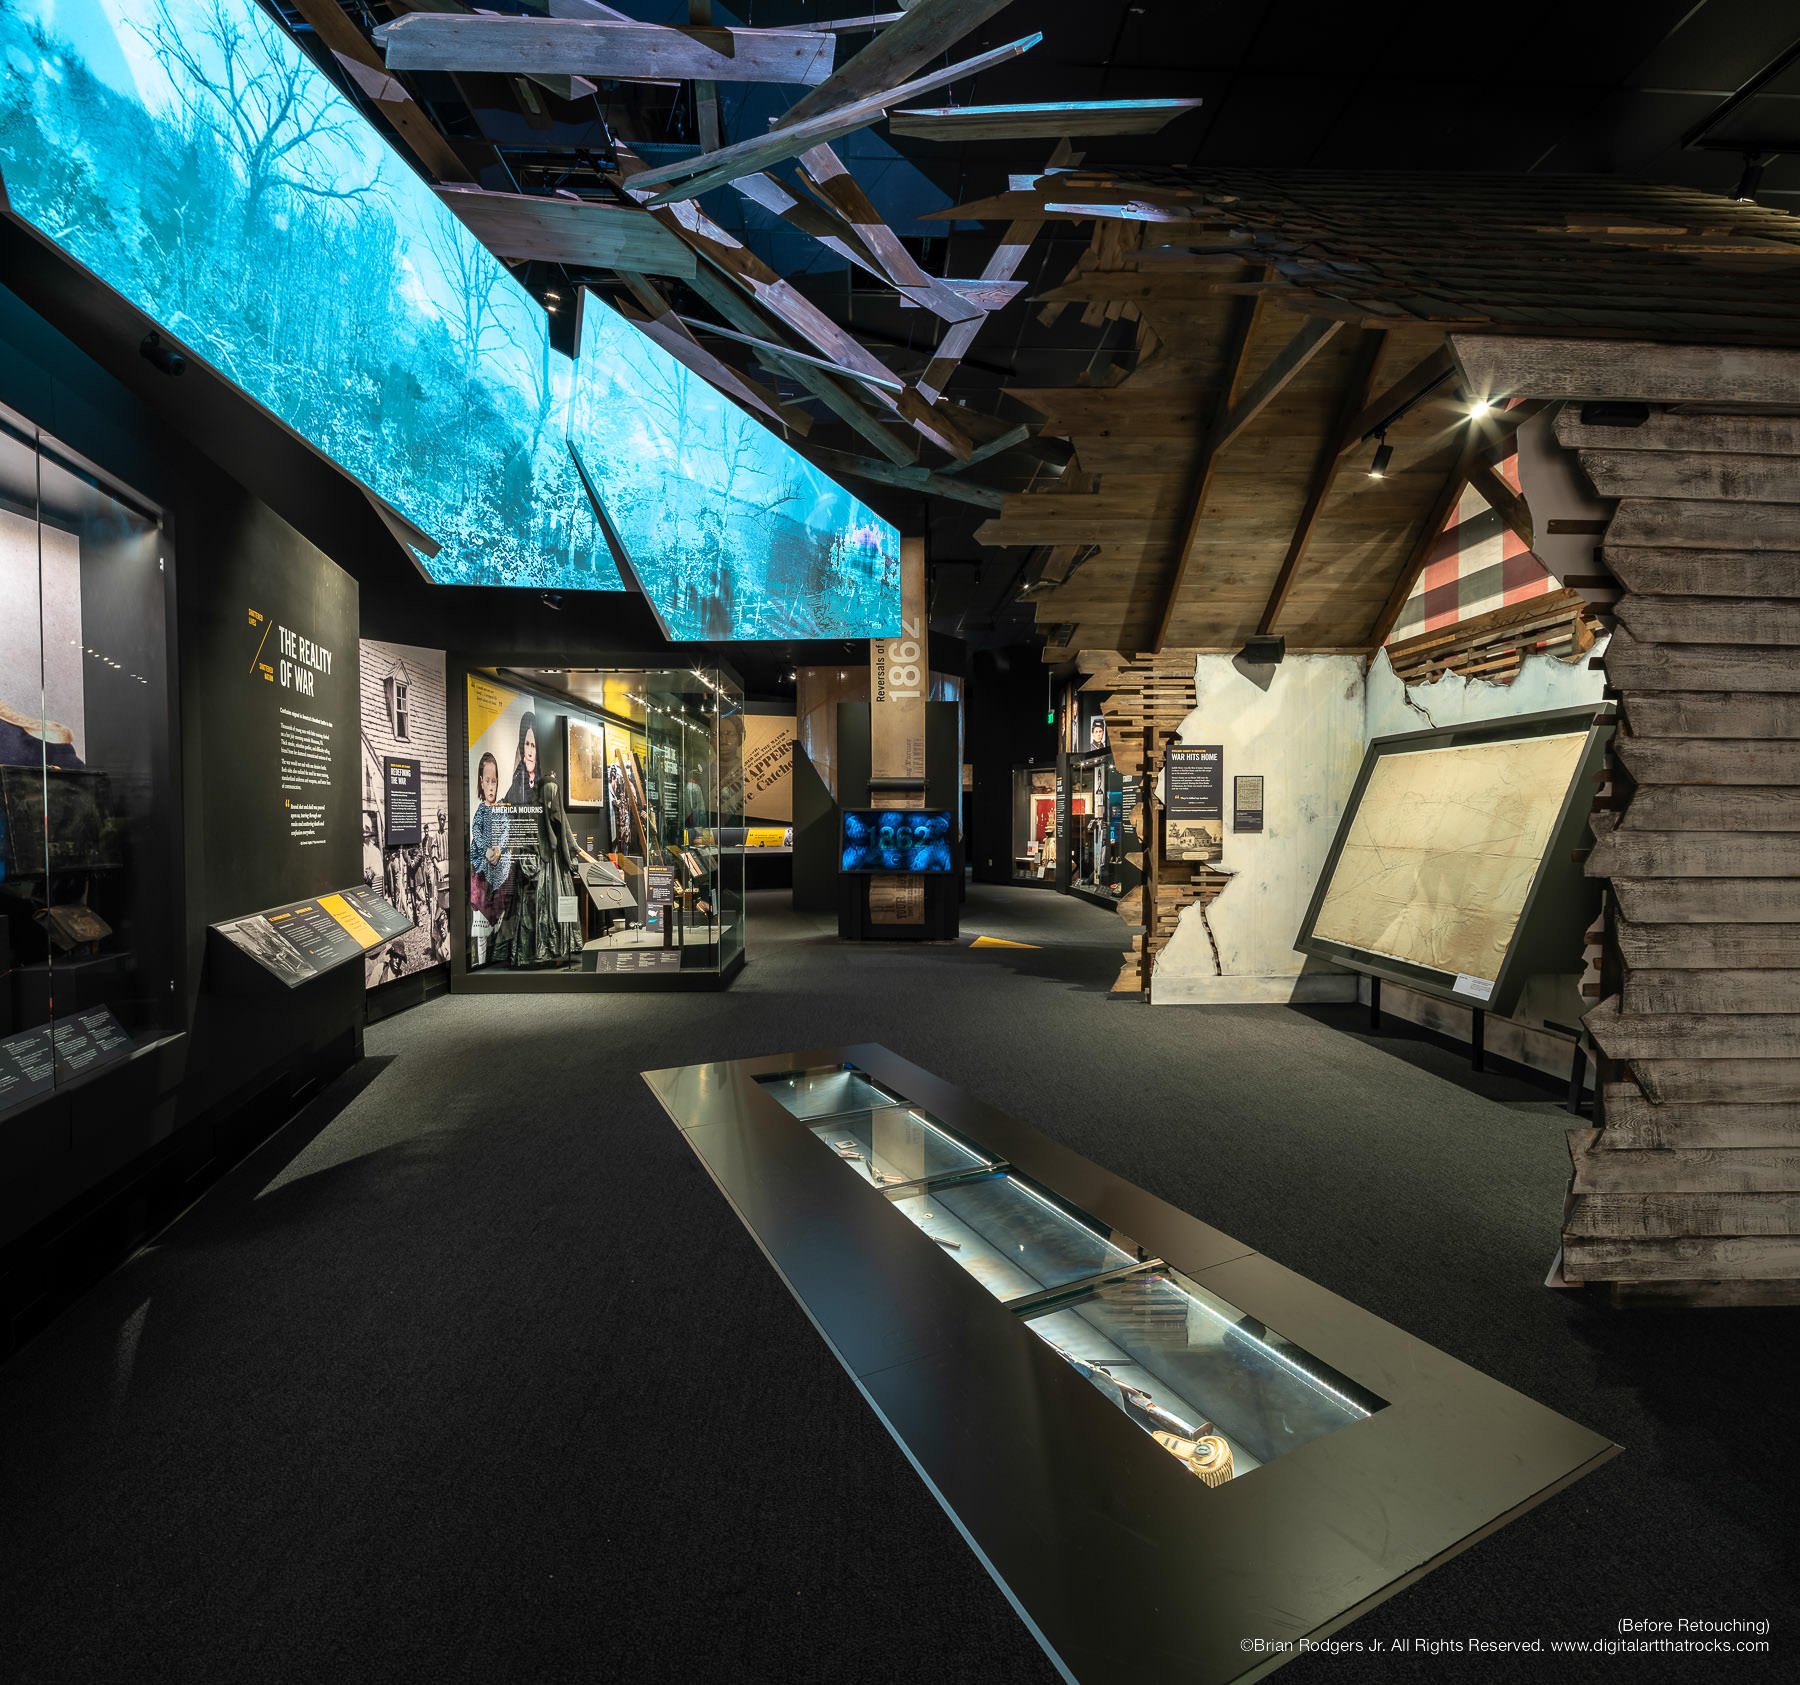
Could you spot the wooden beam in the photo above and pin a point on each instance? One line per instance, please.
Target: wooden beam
(1245, 312)
(766, 190)
(414, 130)
(913, 479)
(582, 232)
(1425, 540)
(1626, 370)
(787, 356)
(988, 296)
(823, 172)
(1422, 377)
(1721, 476)
(1002, 265)
(1503, 500)
(563, 87)
(996, 446)
(600, 47)
(926, 31)
(706, 91)
(668, 330)
(1047, 120)
(1325, 467)
(1289, 361)
(687, 178)
(781, 299)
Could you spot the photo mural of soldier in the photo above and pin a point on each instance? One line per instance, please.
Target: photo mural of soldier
(404, 726)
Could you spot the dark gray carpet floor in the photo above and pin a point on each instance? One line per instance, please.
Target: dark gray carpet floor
(470, 1374)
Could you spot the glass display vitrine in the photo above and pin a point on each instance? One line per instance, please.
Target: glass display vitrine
(90, 879)
(1103, 1392)
(595, 801)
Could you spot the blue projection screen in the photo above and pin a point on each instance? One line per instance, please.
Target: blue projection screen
(194, 159)
(731, 532)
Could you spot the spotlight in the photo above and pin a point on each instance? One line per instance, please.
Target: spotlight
(161, 355)
(1384, 454)
(1480, 408)
(551, 599)
(1263, 651)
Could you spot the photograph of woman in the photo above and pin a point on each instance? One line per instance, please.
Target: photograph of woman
(523, 791)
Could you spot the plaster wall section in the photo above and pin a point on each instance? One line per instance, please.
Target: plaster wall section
(1304, 735)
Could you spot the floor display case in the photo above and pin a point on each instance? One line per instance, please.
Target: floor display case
(1284, 1460)
(1035, 793)
(90, 882)
(594, 802)
(1095, 826)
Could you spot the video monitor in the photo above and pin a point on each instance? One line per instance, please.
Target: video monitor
(895, 839)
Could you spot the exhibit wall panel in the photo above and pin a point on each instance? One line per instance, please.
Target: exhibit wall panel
(1303, 736)
(407, 852)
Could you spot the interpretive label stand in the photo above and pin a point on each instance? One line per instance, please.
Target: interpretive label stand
(305, 939)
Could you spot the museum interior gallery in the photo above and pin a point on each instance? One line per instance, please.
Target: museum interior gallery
(956, 843)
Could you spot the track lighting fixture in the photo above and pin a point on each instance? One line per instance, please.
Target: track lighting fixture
(1480, 408)
(161, 355)
(1384, 454)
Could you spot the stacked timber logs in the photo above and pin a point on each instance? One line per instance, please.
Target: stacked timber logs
(1689, 1192)
(1493, 646)
(1145, 700)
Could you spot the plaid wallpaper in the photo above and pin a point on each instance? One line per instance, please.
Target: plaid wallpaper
(1478, 564)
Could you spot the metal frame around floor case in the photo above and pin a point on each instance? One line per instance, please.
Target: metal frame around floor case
(1547, 935)
(1124, 1567)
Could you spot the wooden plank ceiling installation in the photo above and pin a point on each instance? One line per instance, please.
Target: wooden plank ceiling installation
(1285, 326)
(1048, 121)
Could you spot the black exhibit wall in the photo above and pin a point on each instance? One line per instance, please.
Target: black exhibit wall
(263, 621)
(1007, 728)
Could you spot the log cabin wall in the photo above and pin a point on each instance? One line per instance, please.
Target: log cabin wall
(1688, 1191)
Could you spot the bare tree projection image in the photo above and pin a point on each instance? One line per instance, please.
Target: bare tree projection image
(190, 155)
(732, 533)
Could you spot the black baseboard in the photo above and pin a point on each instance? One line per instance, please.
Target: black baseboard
(51, 1265)
(404, 993)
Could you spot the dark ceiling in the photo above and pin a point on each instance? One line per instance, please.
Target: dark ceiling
(1649, 89)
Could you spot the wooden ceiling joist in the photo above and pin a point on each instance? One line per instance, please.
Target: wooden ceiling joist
(1503, 500)
(601, 47)
(1289, 361)
(689, 177)
(1424, 377)
(1325, 469)
(1243, 325)
(1045, 121)
(926, 30)
(1425, 538)
(581, 232)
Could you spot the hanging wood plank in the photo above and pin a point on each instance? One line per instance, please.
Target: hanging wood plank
(921, 480)
(1662, 1213)
(585, 233)
(690, 177)
(1634, 1122)
(1594, 1258)
(668, 330)
(1693, 947)
(1653, 572)
(1628, 371)
(1709, 900)
(927, 30)
(824, 172)
(1632, 664)
(1693, 854)
(1684, 430)
(1711, 620)
(1678, 760)
(1723, 808)
(1712, 992)
(1048, 120)
(604, 48)
(786, 356)
(763, 189)
(416, 132)
(1714, 475)
(1706, 525)
(1730, 713)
